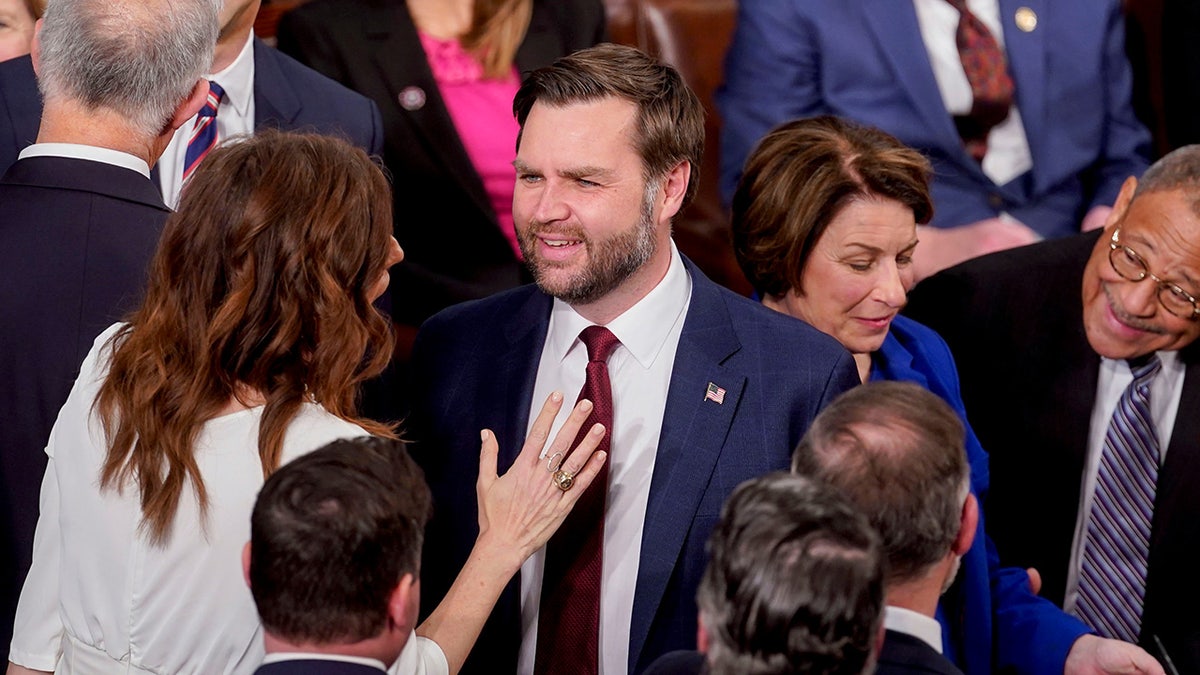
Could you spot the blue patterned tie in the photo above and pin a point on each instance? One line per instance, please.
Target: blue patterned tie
(1112, 578)
(204, 133)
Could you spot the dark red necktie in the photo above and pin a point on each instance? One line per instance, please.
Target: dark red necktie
(568, 639)
(986, 67)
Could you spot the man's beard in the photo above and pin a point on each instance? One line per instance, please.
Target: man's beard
(609, 262)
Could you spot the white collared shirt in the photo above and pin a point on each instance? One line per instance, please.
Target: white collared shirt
(1007, 147)
(924, 628)
(640, 372)
(235, 117)
(88, 152)
(1115, 378)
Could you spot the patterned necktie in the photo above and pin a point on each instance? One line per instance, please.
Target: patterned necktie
(987, 71)
(1112, 576)
(204, 133)
(568, 639)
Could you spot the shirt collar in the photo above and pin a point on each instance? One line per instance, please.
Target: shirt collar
(642, 329)
(89, 152)
(1170, 364)
(277, 657)
(906, 621)
(237, 79)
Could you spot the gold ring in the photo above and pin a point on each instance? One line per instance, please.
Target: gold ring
(563, 480)
(551, 466)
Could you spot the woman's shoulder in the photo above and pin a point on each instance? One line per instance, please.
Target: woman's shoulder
(313, 427)
(921, 342)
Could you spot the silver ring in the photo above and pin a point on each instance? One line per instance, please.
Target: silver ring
(551, 466)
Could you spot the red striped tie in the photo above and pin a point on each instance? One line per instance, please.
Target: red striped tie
(204, 133)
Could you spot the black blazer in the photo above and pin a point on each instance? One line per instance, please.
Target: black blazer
(454, 249)
(904, 654)
(75, 239)
(1014, 321)
(287, 96)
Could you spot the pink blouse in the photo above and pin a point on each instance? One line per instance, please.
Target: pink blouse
(481, 110)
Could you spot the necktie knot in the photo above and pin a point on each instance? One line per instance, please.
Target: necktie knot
(600, 343)
(1144, 369)
(215, 94)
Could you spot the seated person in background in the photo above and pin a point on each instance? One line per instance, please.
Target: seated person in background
(824, 225)
(895, 450)
(444, 73)
(795, 584)
(1030, 128)
(257, 327)
(334, 558)
(17, 18)
(1081, 372)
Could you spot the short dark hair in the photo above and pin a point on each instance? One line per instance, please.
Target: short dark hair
(670, 117)
(331, 535)
(800, 176)
(794, 584)
(895, 450)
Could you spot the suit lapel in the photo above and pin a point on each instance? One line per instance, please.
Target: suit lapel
(1180, 472)
(276, 103)
(1027, 65)
(693, 433)
(516, 373)
(396, 51)
(898, 36)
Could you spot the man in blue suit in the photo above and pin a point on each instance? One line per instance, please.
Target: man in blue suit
(262, 88)
(704, 389)
(1053, 164)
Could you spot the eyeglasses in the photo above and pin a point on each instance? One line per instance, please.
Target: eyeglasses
(1131, 267)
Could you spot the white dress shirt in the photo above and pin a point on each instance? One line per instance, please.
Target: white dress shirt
(1007, 148)
(924, 628)
(640, 373)
(101, 596)
(1115, 378)
(88, 152)
(235, 117)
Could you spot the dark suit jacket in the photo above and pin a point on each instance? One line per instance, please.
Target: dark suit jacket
(287, 96)
(476, 365)
(1014, 321)
(682, 662)
(865, 60)
(454, 249)
(75, 239)
(903, 654)
(316, 667)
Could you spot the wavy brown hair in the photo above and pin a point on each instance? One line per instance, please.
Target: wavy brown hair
(497, 29)
(259, 288)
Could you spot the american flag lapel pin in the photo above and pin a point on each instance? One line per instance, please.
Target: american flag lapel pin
(715, 393)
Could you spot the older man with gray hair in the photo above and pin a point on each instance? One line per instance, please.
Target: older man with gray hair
(80, 220)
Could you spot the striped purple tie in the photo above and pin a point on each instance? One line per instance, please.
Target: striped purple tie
(1112, 578)
(204, 133)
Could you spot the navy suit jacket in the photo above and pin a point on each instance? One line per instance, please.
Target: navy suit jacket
(75, 239)
(476, 365)
(1014, 321)
(903, 654)
(865, 60)
(287, 95)
(316, 667)
(372, 46)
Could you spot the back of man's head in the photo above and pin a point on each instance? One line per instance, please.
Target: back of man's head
(794, 584)
(895, 450)
(139, 58)
(332, 534)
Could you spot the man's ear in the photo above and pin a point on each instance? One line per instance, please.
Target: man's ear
(674, 187)
(701, 635)
(35, 47)
(967, 524)
(189, 106)
(246, 563)
(1121, 205)
(403, 602)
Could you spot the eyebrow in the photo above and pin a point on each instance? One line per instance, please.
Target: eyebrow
(573, 174)
(1145, 245)
(876, 250)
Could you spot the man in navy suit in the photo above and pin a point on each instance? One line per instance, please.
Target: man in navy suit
(81, 219)
(333, 561)
(262, 88)
(1051, 166)
(707, 389)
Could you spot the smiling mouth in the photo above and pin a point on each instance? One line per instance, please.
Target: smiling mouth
(560, 243)
(1127, 320)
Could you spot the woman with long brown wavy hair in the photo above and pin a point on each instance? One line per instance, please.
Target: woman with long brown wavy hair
(255, 332)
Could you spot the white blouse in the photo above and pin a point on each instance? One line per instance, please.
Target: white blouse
(101, 598)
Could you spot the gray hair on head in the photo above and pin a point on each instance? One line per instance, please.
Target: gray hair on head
(140, 58)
